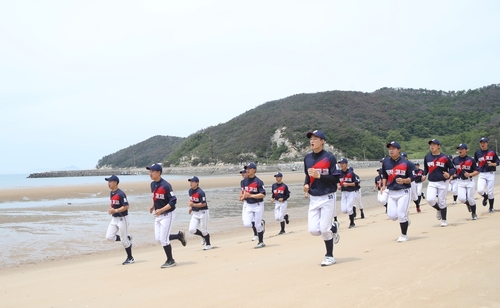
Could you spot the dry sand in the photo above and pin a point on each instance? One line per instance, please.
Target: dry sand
(454, 266)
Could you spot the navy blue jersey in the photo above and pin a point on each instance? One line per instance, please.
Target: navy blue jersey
(393, 169)
(348, 176)
(197, 196)
(464, 164)
(482, 157)
(435, 165)
(118, 199)
(411, 165)
(280, 191)
(326, 164)
(254, 186)
(163, 194)
(417, 175)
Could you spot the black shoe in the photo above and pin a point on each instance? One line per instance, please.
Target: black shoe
(286, 219)
(281, 232)
(485, 199)
(182, 238)
(362, 215)
(169, 263)
(352, 226)
(128, 261)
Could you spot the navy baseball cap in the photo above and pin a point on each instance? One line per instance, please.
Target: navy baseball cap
(435, 141)
(394, 144)
(483, 139)
(194, 179)
(417, 164)
(316, 133)
(343, 161)
(113, 178)
(462, 146)
(251, 166)
(155, 167)
(403, 154)
(278, 175)
(243, 171)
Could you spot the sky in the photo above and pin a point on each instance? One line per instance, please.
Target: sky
(80, 80)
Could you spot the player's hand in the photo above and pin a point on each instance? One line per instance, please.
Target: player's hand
(190, 210)
(111, 211)
(151, 209)
(313, 172)
(158, 212)
(446, 175)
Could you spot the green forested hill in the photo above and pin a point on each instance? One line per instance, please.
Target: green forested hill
(154, 149)
(358, 124)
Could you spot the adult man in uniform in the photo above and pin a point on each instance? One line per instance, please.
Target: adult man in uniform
(396, 178)
(163, 208)
(254, 194)
(118, 227)
(281, 193)
(438, 168)
(320, 185)
(466, 170)
(487, 162)
(198, 209)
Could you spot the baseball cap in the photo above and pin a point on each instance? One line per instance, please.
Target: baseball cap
(113, 178)
(343, 161)
(316, 133)
(382, 160)
(155, 167)
(278, 175)
(417, 164)
(243, 171)
(483, 139)
(435, 141)
(194, 179)
(462, 146)
(394, 144)
(403, 154)
(250, 166)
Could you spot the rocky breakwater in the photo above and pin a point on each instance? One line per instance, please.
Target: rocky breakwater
(78, 173)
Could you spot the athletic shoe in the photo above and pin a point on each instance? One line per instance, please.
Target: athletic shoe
(260, 245)
(255, 238)
(352, 226)
(491, 211)
(203, 242)
(362, 215)
(454, 202)
(128, 261)
(182, 238)
(336, 235)
(281, 232)
(418, 210)
(403, 238)
(444, 223)
(474, 217)
(327, 261)
(438, 214)
(286, 219)
(169, 263)
(485, 199)
(208, 247)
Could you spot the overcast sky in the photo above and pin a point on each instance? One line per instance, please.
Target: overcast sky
(83, 79)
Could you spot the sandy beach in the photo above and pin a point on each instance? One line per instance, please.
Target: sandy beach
(437, 267)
